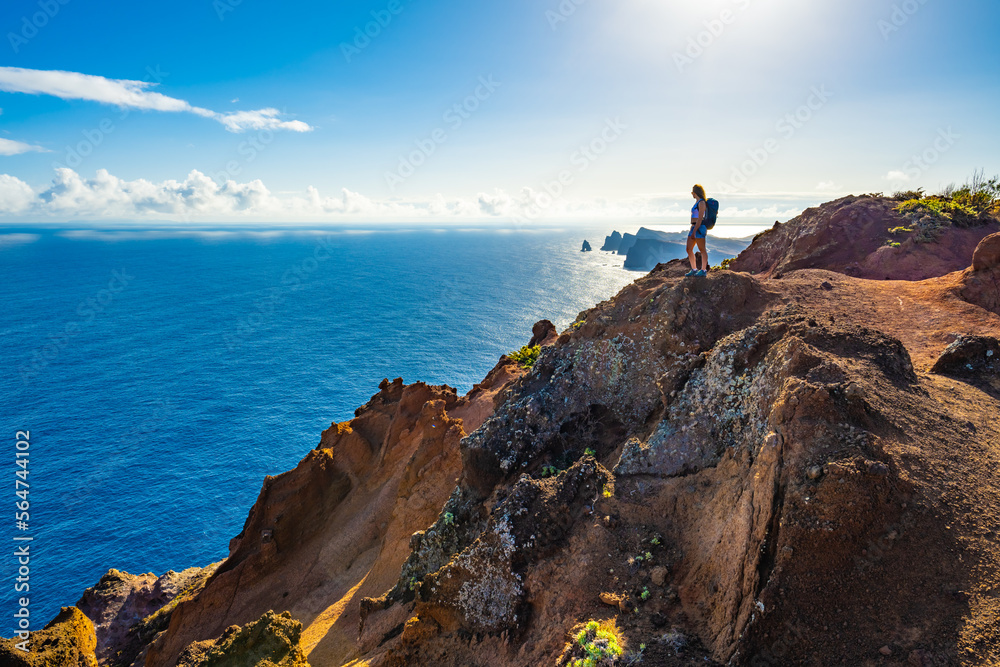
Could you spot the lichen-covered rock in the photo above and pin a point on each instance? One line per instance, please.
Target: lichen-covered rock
(970, 356)
(67, 641)
(480, 588)
(608, 376)
(270, 641)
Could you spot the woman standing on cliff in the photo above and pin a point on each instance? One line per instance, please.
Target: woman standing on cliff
(698, 232)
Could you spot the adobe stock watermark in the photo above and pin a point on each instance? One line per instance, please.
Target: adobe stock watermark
(553, 190)
(714, 28)
(562, 13)
(93, 138)
(363, 35)
(30, 25)
(87, 310)
(900, 16)
(454, 117)
(787, 126)
(921, 162)
(223, 7)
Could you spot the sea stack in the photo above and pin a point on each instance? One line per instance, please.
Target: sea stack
(612, 242)
(586, 247)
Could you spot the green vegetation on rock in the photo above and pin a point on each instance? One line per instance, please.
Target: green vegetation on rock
(526, 356)
(601, 644)
(270, 641)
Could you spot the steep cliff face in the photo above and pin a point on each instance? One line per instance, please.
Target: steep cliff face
(851, 236)
(334, 529)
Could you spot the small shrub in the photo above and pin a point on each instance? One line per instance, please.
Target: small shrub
(645, 593)
(724, 265)
(526, 356)
(449, 519)
(549, 471)
(893, 244)
(577, 325)
(908, 194)
(900, 230)
(674, 640)
(589, 452)
(930, 215)
(597, 644)
(979, 193)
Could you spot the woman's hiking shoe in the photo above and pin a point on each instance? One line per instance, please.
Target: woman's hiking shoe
(690, 273)
(701, 274)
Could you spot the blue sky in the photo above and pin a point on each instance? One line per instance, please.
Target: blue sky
(245, 110)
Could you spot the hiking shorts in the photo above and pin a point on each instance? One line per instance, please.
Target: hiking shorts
(700, 233)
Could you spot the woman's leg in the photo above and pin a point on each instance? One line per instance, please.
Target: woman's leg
(690, 249)
(704, 254)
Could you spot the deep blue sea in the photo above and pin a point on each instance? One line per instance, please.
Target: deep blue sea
(163, 373)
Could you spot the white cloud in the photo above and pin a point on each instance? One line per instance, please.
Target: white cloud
(264, 119)
(827, 186)
(198, 197)
(132, 94)
(11, 147)
(15, 194)
(897, 176)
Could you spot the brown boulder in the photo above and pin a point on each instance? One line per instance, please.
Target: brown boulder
(981, 283)
(543, 333)
(987, 254)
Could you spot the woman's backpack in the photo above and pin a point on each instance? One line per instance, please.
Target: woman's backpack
(711, 213)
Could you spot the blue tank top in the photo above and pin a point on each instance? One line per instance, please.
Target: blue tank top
(694, 209)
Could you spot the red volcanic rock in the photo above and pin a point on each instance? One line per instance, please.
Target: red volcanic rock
(543, 333)
(850, 236)
(987, 255)
(120, 600)
(981, 283)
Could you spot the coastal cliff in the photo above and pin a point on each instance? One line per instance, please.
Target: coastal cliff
(793, 467)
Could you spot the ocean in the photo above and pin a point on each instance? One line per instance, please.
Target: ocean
(162, 373)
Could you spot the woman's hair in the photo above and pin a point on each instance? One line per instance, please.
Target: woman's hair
(700, 191)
